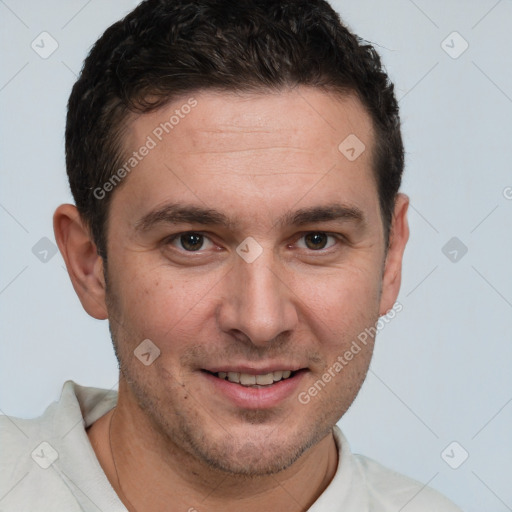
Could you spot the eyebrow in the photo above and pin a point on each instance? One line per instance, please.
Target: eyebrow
(332, 212)
(188, 214)
(176, 213)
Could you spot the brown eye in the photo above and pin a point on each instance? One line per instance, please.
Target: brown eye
(316, 241)
(191, 241)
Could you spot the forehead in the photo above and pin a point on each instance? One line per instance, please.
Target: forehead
(217, 148)
(215, 121)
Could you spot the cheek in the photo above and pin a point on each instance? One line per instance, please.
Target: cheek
(157, 302)
(341, 318)
(341, 303)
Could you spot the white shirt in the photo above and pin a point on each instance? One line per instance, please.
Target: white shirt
(48, 464)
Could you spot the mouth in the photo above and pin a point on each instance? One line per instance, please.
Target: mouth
(262, 380)
(250, 388)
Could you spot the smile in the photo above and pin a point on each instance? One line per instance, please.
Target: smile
(254, 381)
(250, 388)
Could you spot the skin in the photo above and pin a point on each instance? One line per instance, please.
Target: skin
(257, 159)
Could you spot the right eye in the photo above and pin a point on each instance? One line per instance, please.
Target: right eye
(190, 241)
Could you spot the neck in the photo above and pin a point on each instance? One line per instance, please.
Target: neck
(148, 471)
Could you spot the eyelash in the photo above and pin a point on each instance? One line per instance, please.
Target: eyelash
(337, 238)
(177, 237)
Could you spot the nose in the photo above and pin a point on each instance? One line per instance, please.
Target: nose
(257, 302)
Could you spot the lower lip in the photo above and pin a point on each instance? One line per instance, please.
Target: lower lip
(256, 398)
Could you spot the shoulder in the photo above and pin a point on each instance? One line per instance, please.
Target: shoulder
(28, 481)
(17, 438)
(36, 453)
(388, 488)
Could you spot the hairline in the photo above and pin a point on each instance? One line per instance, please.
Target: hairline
(129, 115)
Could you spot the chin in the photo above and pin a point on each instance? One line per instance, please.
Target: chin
(250, 459)
(255, 452)
(253, 443)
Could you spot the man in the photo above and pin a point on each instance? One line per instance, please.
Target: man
(236, 169)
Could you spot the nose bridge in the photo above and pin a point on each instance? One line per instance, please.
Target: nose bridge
(261, 287)
(259, 304)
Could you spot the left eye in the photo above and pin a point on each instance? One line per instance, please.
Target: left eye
(191, 242)
(316, 241)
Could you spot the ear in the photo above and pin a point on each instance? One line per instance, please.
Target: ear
(398, 236)
(85, 266)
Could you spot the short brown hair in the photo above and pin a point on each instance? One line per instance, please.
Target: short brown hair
(168, 48)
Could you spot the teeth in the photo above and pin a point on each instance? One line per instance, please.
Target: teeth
(246, 379)
(234, 377)
(278, 375)
(265, 380)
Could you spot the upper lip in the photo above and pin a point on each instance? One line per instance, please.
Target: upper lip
(253, 369)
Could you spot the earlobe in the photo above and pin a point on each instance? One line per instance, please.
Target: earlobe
(84, 265)
(399, 234)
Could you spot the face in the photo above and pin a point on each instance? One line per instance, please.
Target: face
(248, 248)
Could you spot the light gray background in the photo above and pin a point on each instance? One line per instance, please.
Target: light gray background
(442, 367)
